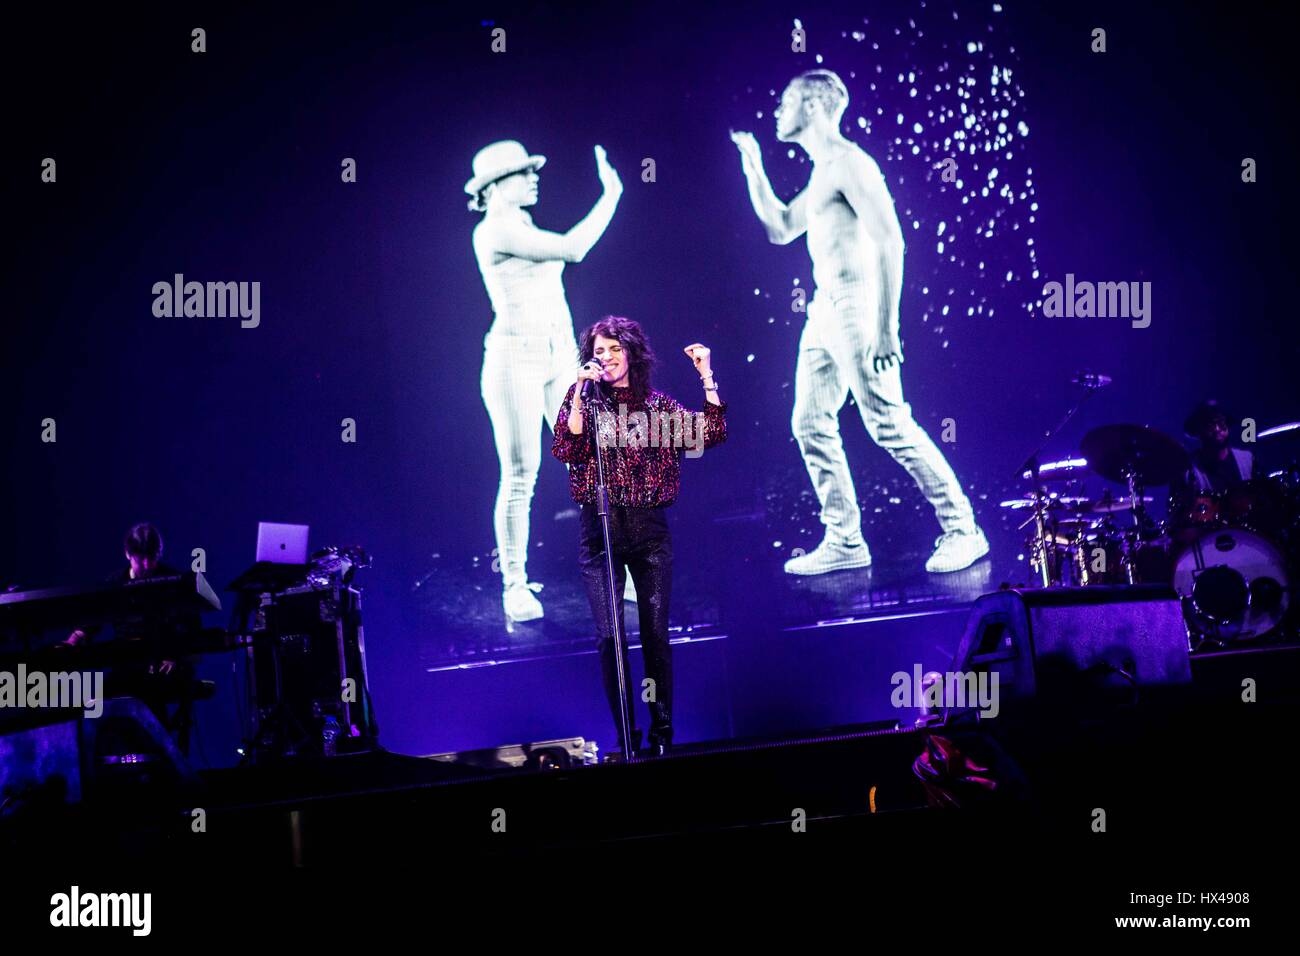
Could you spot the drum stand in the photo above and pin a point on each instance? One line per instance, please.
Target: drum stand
(1043, 550)
(1130, 539)
(1042, 553)
(1144, 530)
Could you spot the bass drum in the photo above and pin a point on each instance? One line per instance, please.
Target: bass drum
(1234, 584)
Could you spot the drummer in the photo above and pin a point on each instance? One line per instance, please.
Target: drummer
(1216, 466)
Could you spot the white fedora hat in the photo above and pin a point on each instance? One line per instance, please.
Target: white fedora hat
(500, 159)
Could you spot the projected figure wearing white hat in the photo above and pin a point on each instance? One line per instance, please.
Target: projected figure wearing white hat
(850, 342)
(529, 353)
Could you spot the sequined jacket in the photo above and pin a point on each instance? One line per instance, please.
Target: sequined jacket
(643, 438)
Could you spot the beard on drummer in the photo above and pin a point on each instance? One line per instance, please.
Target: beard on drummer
(1215, 466)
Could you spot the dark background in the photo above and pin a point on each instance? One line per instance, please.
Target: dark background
(225, 166)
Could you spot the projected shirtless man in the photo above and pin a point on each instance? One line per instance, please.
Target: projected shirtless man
(850, 340)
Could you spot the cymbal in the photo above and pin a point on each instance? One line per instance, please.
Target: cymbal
(1109, 504)
(1115, 451)
(1067, 469)
(1106, 504)
(1054, 502)
(1068, 524)
(1285, 430)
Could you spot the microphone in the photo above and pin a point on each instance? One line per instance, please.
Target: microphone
(590, 362)
(1090, 379)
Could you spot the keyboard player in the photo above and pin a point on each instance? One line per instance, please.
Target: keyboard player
(164, 680)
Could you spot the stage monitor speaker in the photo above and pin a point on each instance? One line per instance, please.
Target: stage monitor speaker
(1065, 644)
(124, 752)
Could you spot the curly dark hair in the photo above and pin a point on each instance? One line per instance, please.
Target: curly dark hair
(636, 348)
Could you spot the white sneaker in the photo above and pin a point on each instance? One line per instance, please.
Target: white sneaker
(520, 604)
(830, 556)
(955, 550)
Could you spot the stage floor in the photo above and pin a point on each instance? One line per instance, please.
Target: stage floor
(728, 571)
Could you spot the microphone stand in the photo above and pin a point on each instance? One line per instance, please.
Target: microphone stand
(615, 600)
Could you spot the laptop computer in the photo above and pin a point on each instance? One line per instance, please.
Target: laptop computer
(282, 543)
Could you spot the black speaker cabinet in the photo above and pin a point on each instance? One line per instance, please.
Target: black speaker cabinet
(1073, 642)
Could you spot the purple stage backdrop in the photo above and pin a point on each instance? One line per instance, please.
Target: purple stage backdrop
(319, 158)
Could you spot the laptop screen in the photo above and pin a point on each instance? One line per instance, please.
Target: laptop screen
(282, 543)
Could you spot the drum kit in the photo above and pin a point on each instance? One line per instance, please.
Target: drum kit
(1230, 556)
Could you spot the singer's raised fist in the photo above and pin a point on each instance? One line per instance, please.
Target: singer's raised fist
(700, 355)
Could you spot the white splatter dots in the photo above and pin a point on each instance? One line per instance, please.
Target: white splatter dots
(973, 113)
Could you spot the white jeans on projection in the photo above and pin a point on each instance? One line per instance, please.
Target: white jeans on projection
(523, 384)
(834, 362)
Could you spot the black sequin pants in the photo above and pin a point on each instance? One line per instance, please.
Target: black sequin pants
(643, 546)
